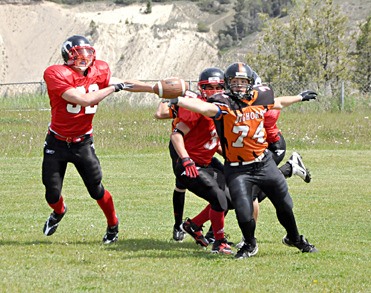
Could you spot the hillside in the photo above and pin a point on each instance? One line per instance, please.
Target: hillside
(135, 44)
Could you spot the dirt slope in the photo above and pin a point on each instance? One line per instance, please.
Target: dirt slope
(136, 45)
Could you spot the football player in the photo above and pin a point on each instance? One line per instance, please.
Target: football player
(75, 89)
(195, 140)
(239, 118)
(164, 111)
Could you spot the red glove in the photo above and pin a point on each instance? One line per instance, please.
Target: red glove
(190, 167)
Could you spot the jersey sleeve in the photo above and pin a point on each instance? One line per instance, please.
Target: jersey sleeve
(263, 95)
(271, 117)
(103, 73)
(57, 79)
(187, 117)
(222, 102)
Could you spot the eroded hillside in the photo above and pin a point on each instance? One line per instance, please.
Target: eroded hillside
(136, 45)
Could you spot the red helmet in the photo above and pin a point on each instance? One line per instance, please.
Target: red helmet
(78, 52)
(211, 81)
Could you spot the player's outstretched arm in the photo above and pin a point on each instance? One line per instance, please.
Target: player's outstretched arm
(130, 85)
(197, 106)
(75, 96)
(286, 101)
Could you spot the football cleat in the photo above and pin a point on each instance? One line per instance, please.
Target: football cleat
(210, 236)
(111, 235)
(221, 246)
(196, 232)
(303, 245)
(52, 222)
(178, 235)
(247, 250)
(241, 243)
(298, 167)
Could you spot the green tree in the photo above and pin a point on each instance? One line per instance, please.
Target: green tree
(363, 57)
(247, 18)
(149, 7)
(312, 47)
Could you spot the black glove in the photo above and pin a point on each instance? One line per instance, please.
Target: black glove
(190, 167)
(308, 95)
(122, 86)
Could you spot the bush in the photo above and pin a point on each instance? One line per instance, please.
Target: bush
(203, 27)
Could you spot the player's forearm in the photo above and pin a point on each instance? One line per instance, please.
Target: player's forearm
(132, 85)
(178, 143)
(139, 86)
(198, 106)
(74, 96)
(286, 101)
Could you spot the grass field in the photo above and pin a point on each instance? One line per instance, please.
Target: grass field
(333, 212)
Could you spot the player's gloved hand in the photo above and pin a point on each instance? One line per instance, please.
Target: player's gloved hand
(190, 167)
(122, 86)
(308, 95)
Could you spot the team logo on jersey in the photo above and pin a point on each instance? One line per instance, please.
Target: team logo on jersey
(250, 116)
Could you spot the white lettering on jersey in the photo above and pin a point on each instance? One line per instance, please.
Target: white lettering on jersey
(75, 109)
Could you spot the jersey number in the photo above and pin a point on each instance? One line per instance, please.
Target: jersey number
(243, 131)
(74, 109)
(213, 140)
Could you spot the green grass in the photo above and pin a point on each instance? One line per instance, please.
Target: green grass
(333, 211)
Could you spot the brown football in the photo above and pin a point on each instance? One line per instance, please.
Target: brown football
(170, 88)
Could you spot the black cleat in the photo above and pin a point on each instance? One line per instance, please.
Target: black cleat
(196, 232)
(303, 245)
(111, 235)
(210, 236)
(52, 222)
(178, 235)
(298, 167)
(247, 250)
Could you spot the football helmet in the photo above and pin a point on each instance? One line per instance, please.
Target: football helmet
(210, 82)
(239, 80)
(77, 52)
(257, 79)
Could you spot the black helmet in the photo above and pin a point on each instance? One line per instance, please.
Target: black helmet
(211, 76)
(76, 47)
(257, 79)
(239, 70)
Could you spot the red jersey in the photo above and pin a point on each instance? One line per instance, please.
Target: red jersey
(201, 142)
(270, 125)
(241, 124)
(72, 120)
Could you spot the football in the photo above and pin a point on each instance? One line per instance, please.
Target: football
(170, 88)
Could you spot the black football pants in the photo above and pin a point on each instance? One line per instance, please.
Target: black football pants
(266, 175)
(57, 154)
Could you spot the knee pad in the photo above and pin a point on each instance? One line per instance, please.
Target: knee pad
(97, 193)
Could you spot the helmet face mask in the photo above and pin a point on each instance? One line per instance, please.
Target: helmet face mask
(78, 53)
(239, 80)
(211, 82)
(207, 90)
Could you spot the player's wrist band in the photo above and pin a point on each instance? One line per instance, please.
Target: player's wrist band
(173, 101)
